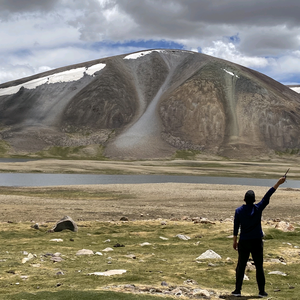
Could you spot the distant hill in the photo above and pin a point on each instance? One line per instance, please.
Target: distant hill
(148, 105)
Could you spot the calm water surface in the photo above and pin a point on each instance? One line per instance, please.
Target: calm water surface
(32, 179)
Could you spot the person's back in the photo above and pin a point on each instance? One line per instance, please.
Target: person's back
(247, 219)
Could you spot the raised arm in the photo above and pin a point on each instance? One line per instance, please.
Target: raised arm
(279, 182)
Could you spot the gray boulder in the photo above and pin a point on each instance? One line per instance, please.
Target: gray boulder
(65, 223)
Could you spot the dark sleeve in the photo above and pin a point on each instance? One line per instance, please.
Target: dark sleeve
(266, 199)
(236, 224)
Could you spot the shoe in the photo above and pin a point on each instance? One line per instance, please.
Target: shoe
(236, 293)
(262, 294)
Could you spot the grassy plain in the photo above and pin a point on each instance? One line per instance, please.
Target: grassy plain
(97, 210)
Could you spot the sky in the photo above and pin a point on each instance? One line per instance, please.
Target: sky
(40, 35)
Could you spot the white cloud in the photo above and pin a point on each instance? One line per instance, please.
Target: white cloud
(54, 33)
(228, 51)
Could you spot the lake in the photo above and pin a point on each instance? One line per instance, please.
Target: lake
(37, 179)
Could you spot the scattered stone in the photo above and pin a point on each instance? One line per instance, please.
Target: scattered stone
(277, 273)
(209, 254)
(145, 244)
(84, 252)
(202, 293)
(118, 245)
(132, 256)
(25, 259)
(108, 273)
(163, 238)
(191, 282)
(57, 240)
(125, 219)
(183, 237)
(98, 253)
(36, 265)
(164, 283)
(56, 259)
(108, 249)
(246, 277)
(60, 273)
(204, 221)
(24, 277)
(228, 220)
(35, 226)
(284, 226)
(65, 223)
(163, 223)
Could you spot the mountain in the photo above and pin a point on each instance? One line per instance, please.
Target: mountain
(149, 104)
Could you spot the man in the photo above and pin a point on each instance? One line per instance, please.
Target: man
(248, 219)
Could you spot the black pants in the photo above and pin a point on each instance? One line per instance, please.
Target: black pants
(255, 247)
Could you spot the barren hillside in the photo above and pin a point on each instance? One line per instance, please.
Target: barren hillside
(148, 105)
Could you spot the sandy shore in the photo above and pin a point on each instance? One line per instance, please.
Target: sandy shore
(142, 201)
(146, 201)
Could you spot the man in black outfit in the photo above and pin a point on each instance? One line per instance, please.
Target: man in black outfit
(248, 219)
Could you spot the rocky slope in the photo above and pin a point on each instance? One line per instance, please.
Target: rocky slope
(149, 104)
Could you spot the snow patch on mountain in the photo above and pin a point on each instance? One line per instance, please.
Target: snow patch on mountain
(141, 54)
(66, 76)
(296, 89)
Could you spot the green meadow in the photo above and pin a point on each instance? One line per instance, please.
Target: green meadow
(165, 258)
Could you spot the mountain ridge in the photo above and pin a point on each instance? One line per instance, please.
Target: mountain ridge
(148, 104)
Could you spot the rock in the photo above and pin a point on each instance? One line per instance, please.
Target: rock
(98, 253)
(108, 249)
(191, 282)
(284, 226)
(35, 226)
(108, 273)
(132, 256)
(183, 237)
(56, 240)
(65, 223)
(163, 238)
(60, 273)
(202, 293)
(209, 254)
(246, 277)
(84, 252)
(163, 223)
(118, 245)
(29, 257)
(204, 221)
(125, 219)
(145, 244)
(56, 259)
(277, 273)
(163, 283)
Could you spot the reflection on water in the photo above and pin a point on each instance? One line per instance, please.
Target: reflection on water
(31, 179)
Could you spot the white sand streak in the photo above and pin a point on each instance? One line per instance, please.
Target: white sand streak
(66, 76)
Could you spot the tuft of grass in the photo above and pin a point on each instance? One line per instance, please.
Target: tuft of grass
(4, 148)
(186, 154)
(77, 153)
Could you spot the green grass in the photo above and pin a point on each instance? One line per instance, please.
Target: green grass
(172, 260)
(186, 154)
(62, 193)
(79, 295)
(78, 152)
(4, 147)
